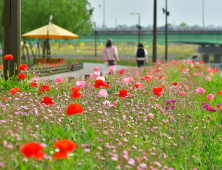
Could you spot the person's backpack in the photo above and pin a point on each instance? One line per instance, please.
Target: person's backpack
(140, 53)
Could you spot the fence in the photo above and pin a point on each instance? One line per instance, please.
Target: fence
(46, 70)
(215, 65)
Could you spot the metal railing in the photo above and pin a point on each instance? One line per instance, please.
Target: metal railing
(48, 70)
(215, 65)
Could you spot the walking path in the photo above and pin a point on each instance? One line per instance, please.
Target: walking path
(87, 69)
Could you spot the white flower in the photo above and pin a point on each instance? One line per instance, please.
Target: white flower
(100, 78)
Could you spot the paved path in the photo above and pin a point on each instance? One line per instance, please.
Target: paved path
(87, 69)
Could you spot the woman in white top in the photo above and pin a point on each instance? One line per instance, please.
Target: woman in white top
(141, 55)
(110, 54)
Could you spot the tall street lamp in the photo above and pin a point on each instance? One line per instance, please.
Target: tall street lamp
(96, 32)
(96, 43)
(166, 32)
(138, 26)
(154, 30)
(203, 12)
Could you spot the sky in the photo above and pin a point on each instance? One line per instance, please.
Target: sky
(117, 12)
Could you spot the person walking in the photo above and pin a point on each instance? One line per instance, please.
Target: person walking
(110, 55)
(141, 55)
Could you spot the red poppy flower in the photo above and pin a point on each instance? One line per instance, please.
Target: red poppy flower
(74, 109)
(65, 146)
(166, 66)
(159, 77)
(48, 101)
(8, 57)
(215, 70)
(33, 84)
(157, 91)
(137, 85)
(1, 67)
(62, 62)
(5, 98)
(22, 76)
(220, 92)
(14, 90)
(75, 93)
(121, 71)
(123, 93)
(101, 83)
(23, 67)
(201, 62)
(32, 150)
(183, 94)
(150, 72)
(43, 88)
(175, 84)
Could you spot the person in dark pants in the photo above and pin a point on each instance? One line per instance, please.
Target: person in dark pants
(141, 55)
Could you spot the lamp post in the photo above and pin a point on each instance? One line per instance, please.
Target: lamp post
(203, 12)
(166, 31)
(154, 30)
(95, 39)
(48, 45)
(95, 43)
(138, 26)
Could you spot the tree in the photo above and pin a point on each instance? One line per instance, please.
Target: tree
(73, 15)
(184, 25)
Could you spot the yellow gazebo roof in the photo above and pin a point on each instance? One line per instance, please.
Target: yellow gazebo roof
(55, 32)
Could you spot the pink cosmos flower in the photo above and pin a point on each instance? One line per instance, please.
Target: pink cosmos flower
(143, 78)
(59, 79)
(80, 84)
(200, 90)
(210, 96)
(107, 103)
(130, 79)
(125, 80)
(131, 161)
(112, 68)
(96, 68)
(187, 70)
(36, 79)
(186, 87)
(143, 165)
(150, 115)
(115, 102)
(96, 74)
(102, 93)
(220, 72)
(208, 79)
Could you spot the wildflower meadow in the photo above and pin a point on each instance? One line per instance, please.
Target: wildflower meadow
(166, 116)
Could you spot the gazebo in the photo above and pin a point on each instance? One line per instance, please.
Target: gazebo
(47, 32)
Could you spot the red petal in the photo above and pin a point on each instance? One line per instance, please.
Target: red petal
(60, 155)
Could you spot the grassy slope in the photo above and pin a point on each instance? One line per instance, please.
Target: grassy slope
(184, 138)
